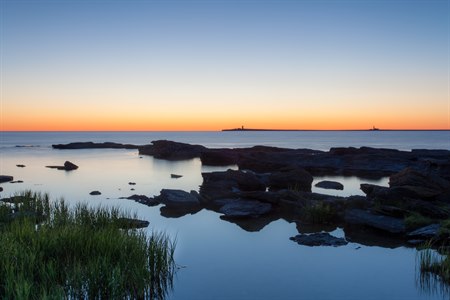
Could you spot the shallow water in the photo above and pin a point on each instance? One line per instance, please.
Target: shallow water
(219, 259)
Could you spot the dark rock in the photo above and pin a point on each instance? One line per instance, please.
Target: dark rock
(68, 166)
(238, 208)
(219, 157)
(392, 211)
(218, 185)
(319, 239)
(1, 189)
(91, 145)
(20, 166)
(365, 218)
(177, 198)
(6, 178)
(127, 223)
(16, 181)
(327, 184)
(169, 150)
(131, 183)
(297, 179)
(426, 232)
(95, 193)
(175, 176)
(142, 199)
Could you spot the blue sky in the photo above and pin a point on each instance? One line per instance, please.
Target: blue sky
(301, 64)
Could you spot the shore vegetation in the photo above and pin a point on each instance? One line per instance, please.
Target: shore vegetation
(50, 250)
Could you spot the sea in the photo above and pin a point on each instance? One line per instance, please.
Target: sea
(218, 259)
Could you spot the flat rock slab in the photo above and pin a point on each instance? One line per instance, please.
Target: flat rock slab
(366, 218)
(426, 232)
(177, 198)
(319, 239)
(238, 208)
(331, 185)
(6, 178)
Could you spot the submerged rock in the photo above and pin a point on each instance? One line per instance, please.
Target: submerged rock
(332, 185)
(319, 239)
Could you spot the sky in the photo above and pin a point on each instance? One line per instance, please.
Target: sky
(209, 65)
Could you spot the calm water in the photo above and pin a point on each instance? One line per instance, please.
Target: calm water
(223, 261)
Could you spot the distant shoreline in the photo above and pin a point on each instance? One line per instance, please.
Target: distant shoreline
(370, 129)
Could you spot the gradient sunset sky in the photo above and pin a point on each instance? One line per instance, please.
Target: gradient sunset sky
(208, 65)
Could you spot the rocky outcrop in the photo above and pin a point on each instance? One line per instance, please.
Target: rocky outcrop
(169, 150)
(319, 239)
(332, 185)
(91, 145)
(6, 178)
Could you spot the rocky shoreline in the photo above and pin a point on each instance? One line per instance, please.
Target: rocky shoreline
(273, 183)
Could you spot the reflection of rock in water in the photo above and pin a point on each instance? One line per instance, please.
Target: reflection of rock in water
(254, 224)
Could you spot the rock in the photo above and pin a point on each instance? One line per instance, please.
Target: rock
(238, 208)
(219, 157)
(142, 199)
(175, 176)
(319, 239)
(20, 166)
(177, 198)
(297, 179)
(327, 184)
(127, 223)
(68, 166)
(365, 218)
(16, 181)
(169, 150)
(6, 178)
(91, 145)
(218, 185)
(426, 232)
(131, 183)
(95, 193)
(1, 189)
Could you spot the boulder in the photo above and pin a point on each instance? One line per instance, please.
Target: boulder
(6, 178)
(297, 179)
(332, 185)
(95, 193)
(69, 166)
(239, 208)
(365, 218)
(20, 166)
(319, 239)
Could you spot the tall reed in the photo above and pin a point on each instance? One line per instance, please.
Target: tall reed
(49, 250)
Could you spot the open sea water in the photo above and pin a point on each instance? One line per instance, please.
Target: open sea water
(220, 259)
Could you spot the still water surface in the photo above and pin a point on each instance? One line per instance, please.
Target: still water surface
(221, 260)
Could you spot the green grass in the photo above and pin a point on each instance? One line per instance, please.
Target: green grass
(51, 251)
(416, 220)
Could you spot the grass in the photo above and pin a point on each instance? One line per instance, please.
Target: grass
(319, 213)
(51, 251)
(416, 220)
